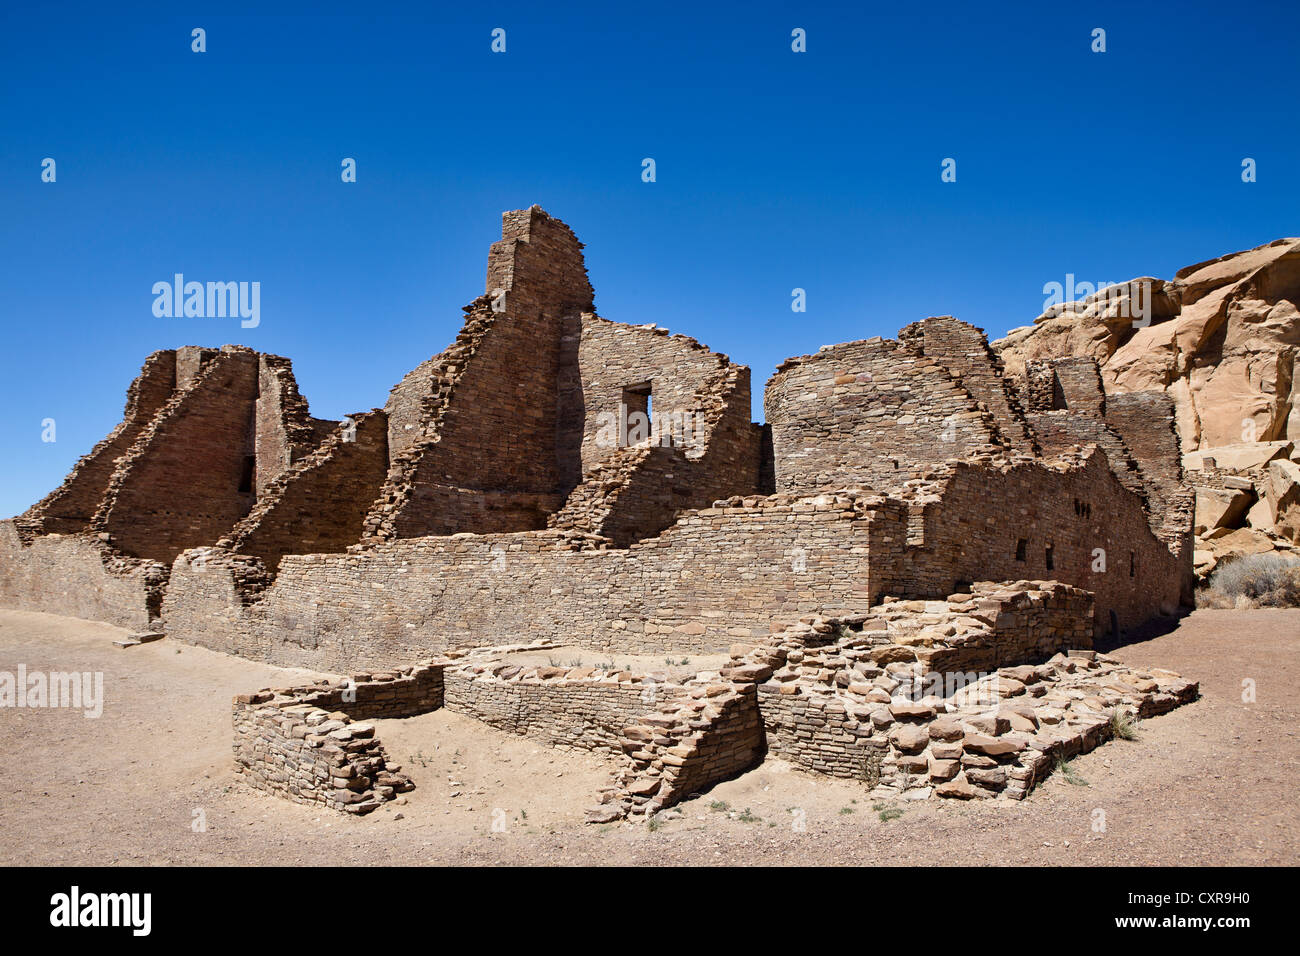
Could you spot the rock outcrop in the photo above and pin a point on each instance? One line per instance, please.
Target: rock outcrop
(1221, 338)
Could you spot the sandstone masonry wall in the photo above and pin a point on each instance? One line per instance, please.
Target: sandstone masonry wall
(475, 433)
(719, 574)
(964, 351)
(288, 743)
(179, 486)
(841, 701)
(285, 430)
(1045, 522)
(79, 576)
(870, 413)
(69, 508)
(577, 708)
(319, 503)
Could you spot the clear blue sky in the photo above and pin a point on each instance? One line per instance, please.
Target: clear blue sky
(775, 170)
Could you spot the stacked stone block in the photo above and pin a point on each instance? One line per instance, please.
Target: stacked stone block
(862, 698)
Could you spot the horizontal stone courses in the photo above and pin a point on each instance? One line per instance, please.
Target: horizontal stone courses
(907, 506)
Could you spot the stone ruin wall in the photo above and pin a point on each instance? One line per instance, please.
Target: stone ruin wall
(476, 436)
(852, 697)
(285, 430)
(309, 744)
(963, 350)
(69, 508)
(179, 486)
(840, 697)
(318, 504)
(576, 708)
(869, 414)
(1137, 430)
(702, 445)
(717, 575)
(197, 423)
(79, 576)
(983, 523)
(666, 741)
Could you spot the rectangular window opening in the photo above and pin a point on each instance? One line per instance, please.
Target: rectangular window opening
(637, 422)
(249, 472)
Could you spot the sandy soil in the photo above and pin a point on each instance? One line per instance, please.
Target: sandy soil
(1211, 783)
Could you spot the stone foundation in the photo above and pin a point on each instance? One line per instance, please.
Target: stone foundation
(844, 699)
(972, 697)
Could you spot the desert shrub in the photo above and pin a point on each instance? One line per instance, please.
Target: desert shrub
(1122, 725)
(1255, 580)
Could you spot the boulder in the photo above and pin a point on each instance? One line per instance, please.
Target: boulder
(1217, 508)
(1283, 493)
(1260, 516)
(1238, 543)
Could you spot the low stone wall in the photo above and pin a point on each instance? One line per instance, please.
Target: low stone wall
(997, 624)
(582, 708)
(79, 576)
(689, 744)
(842, 701)
(870, 697)
(303, 744)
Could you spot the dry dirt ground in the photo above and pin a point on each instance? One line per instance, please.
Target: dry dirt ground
(1211, 783)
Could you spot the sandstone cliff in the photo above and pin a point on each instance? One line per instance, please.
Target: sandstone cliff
(1222, 338)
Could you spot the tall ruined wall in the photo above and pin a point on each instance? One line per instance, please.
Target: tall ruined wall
(632, 494)
(179, 486)
(613, 357)
(1145, 420)
(475, 434)
(1137, 430)
(1065, 383)
(69, 508)
(964, 352)
(698, 447)
(285, 429)
(871, 413)
(318, 504)
(1062, 431)
(203, 429)
(1061, 522)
